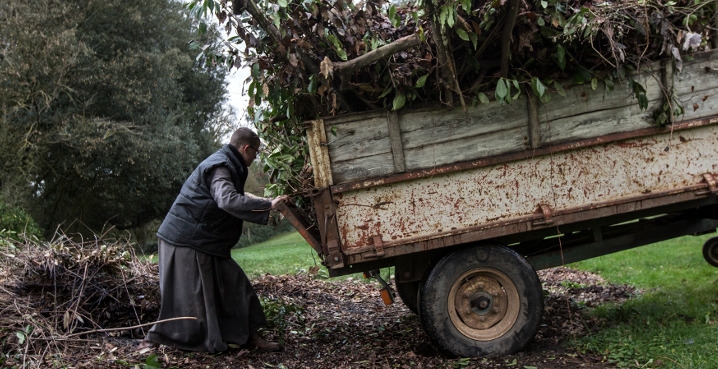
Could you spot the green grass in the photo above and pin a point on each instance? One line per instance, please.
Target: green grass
(284, 254)
(672, 323)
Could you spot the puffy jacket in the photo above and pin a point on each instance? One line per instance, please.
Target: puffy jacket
(195, 220)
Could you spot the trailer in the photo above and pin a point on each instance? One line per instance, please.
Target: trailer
(467, 203)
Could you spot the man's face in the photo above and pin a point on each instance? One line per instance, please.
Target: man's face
(249, 153)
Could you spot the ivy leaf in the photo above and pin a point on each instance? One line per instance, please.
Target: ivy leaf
(443, 15)
(386, 92)
(561, 57)
(338, 47)
(421, 81)
(399, 101)
(502, 89)
(392, 16)
(152, 362)
(642, 101)
(282, 3)
(538, 87)
(483, 98)
(462, 34)
(474, 39)
(312, 88)
(20, 337)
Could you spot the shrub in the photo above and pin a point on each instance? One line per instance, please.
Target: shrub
(15, 222)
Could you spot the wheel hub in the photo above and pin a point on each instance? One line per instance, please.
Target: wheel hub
(483, 304)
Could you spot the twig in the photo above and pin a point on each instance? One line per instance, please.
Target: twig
(128, 328)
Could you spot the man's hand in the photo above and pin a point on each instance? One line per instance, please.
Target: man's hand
(279, 199)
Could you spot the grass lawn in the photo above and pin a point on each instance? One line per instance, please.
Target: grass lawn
(671, 324)
(284, 254)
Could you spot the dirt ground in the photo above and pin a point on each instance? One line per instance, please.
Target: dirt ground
(333, 324)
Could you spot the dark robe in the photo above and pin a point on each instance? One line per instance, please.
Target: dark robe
(213, 289)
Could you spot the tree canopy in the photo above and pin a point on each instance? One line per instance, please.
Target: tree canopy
(104, 109)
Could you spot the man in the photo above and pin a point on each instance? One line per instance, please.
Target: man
(198, 277)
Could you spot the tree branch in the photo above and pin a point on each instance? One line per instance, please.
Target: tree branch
(253, 9)
(511, 15)
(385, 51)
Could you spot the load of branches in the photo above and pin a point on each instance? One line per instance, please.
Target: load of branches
(56, 293)
(318, 58)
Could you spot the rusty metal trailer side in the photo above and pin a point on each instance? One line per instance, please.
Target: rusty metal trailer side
(601, 181)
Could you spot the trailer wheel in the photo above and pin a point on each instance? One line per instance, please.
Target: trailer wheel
(710, 251)
(408, 293)
(481, 301)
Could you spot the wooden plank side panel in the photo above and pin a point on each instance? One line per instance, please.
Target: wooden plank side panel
(696, 86)
(359, 148)
(510, 139)
(357, 139)
(432, 138)
(585, 113)
(366, 167)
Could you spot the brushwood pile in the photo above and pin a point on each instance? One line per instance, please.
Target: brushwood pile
(322, 58)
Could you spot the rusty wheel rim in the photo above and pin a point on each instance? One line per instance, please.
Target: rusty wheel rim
(483, 304)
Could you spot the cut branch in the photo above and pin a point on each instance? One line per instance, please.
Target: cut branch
(513, 11)
(383, 52)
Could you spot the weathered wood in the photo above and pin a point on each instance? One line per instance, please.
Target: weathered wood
(357, 140)
(585, 113)
(696, 84)
(432, 139)
(319, 155)
(367, 167)
(534, 124)
(397, 149)
(368, 145)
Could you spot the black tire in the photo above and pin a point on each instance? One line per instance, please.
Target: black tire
(481, 301)
(710, 251)
(409, 294)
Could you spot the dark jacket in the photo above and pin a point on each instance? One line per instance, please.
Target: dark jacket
(195, 220)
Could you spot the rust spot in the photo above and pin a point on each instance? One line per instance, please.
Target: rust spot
(682, 139)
(631, 145)
(695, 106)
